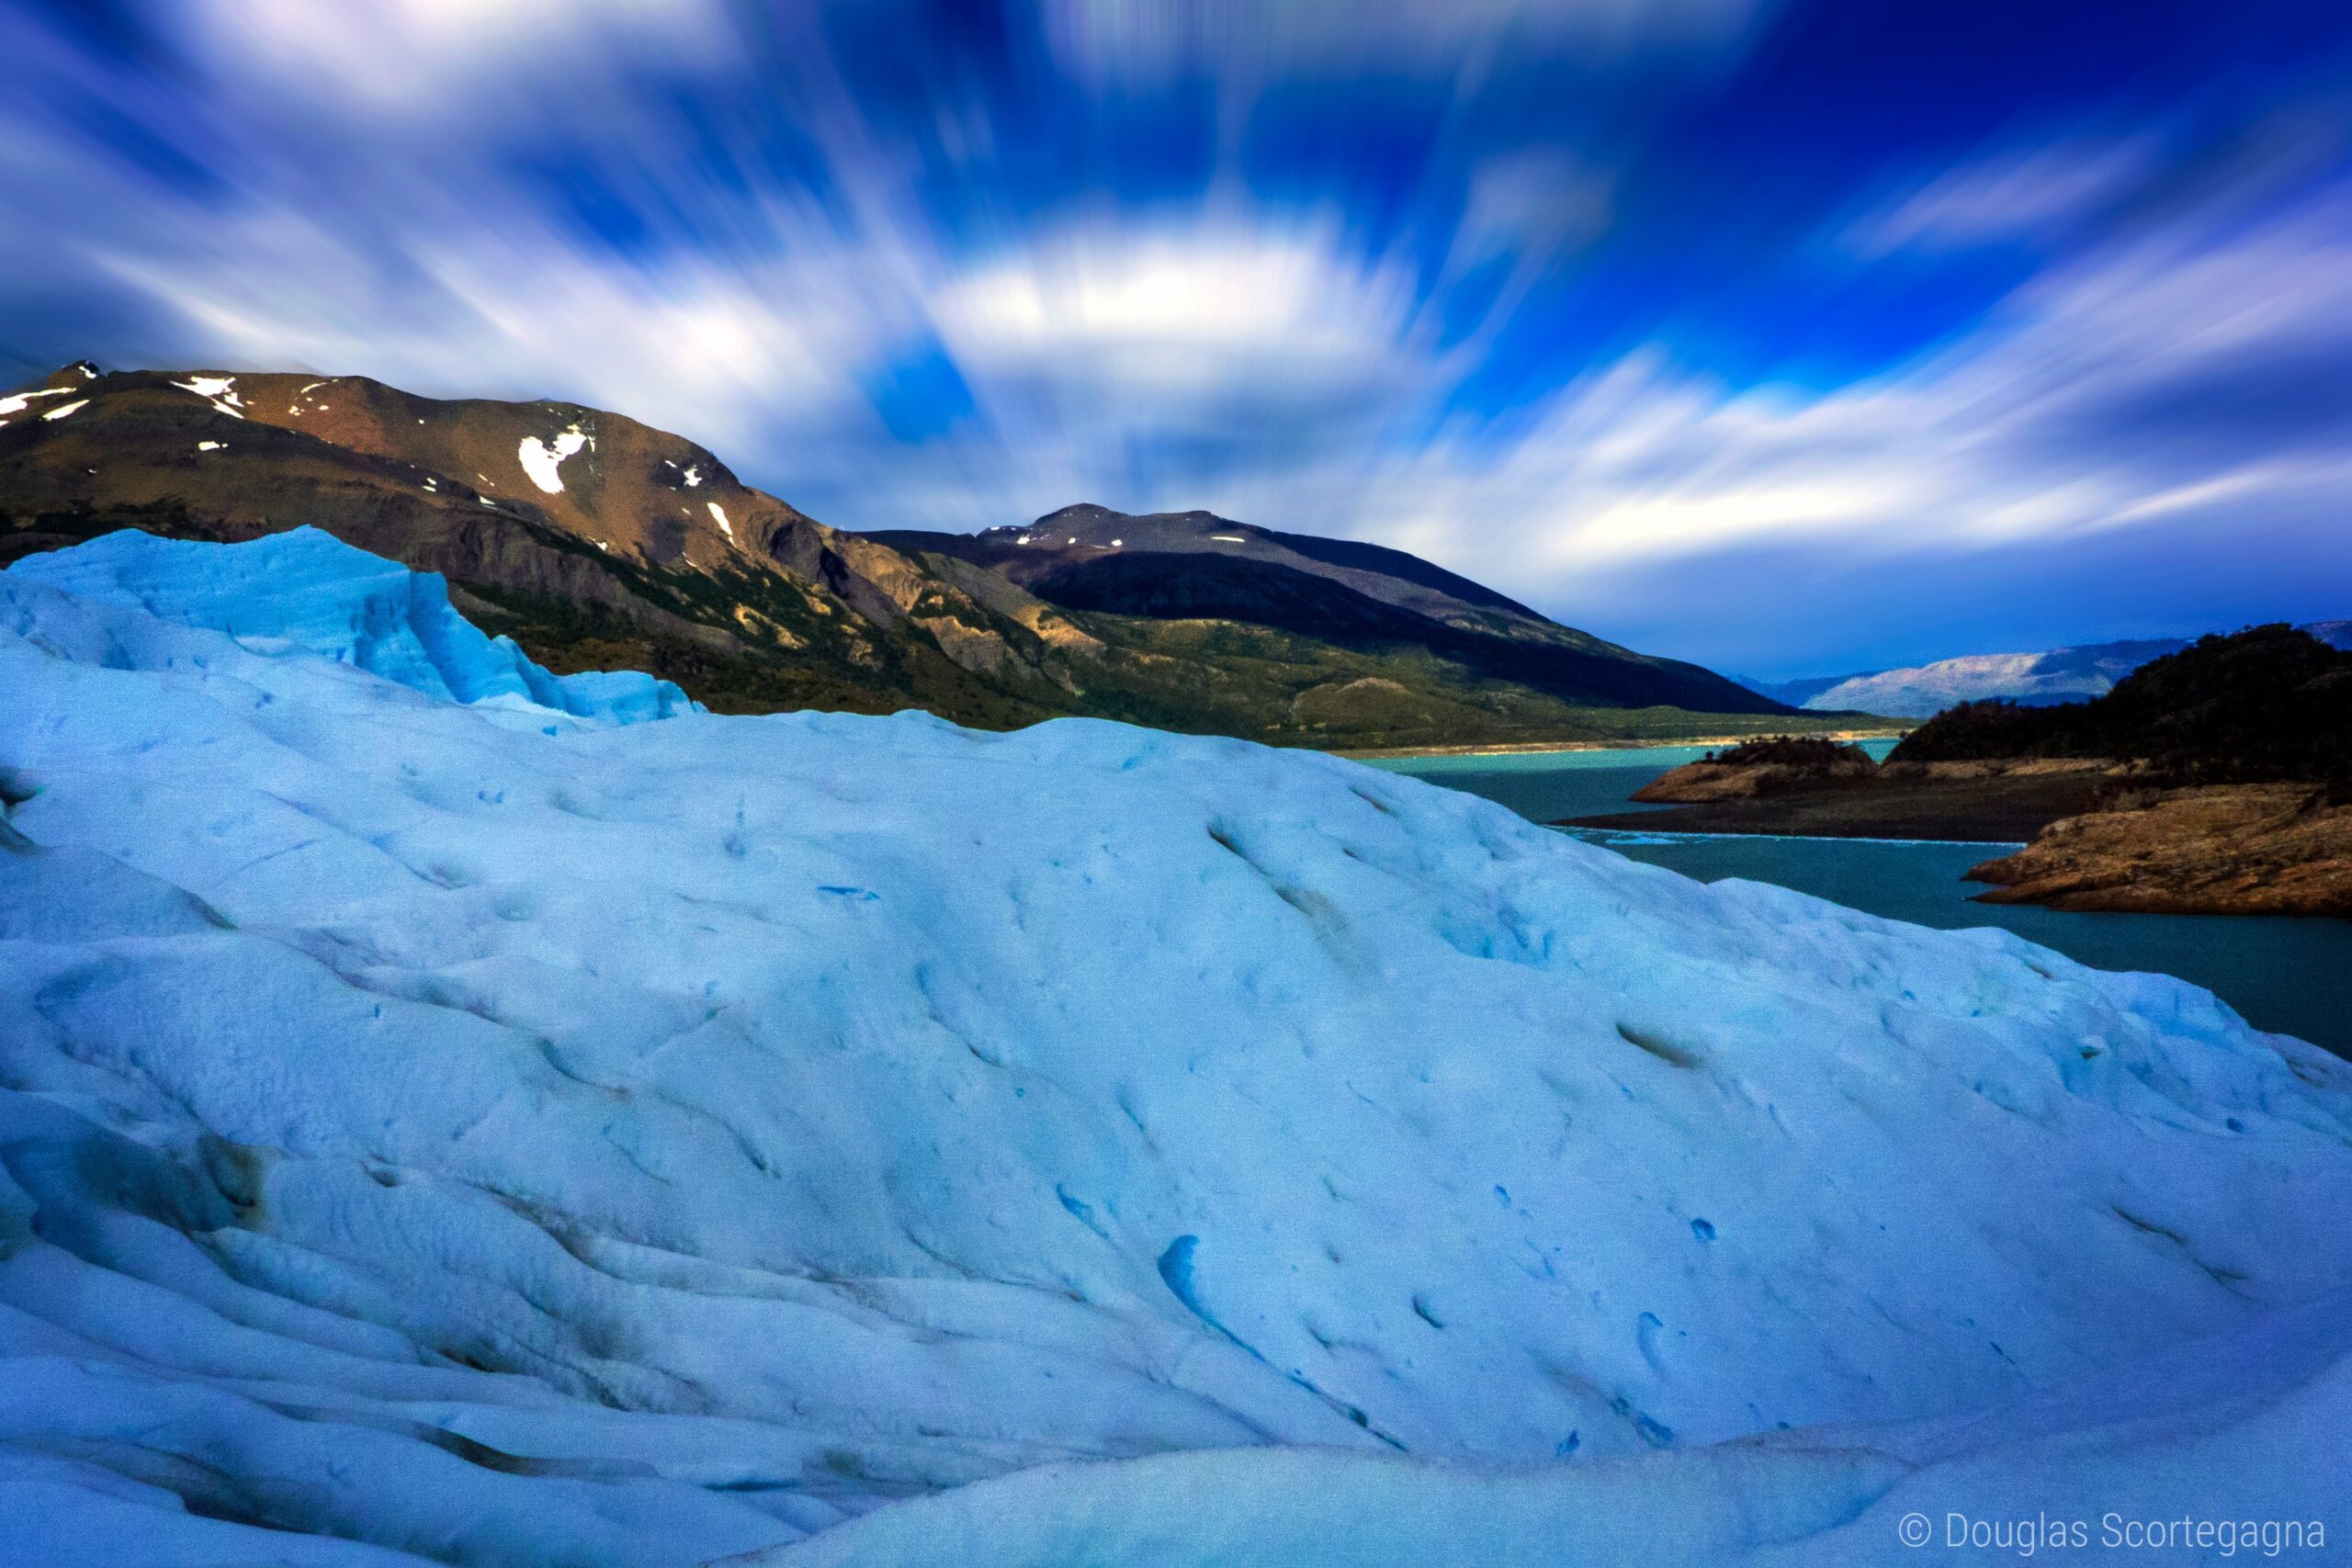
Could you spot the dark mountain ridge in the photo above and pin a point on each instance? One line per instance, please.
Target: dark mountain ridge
(1086, 530)
(1198, 566)
(1207, 587)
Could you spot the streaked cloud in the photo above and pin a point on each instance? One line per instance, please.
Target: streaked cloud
(1124, 39)
(2022, 195)
(403, 60)
(1595, 302)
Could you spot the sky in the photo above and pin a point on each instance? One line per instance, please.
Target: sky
(1795, 337)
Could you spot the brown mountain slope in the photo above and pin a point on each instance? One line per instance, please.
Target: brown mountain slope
(626, 545)
(598, 541)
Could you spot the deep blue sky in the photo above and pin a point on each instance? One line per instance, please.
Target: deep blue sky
(1789, 337)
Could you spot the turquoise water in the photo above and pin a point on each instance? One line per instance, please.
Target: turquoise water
(2293, 975)
(1544, 786)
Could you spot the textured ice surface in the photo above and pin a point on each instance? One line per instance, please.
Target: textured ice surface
(307, 594)
(2237, 1435)
(439, 1124)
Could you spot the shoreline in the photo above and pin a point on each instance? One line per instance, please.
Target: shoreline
(1989, 808)
(1537, 748)
(1589, 825)
(2061, 838)
(1702, 821)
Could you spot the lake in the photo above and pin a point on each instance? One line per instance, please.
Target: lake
(2284, 974)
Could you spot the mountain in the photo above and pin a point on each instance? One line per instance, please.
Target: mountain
(442, 1125)
(2060, 675)
(595, 541)
(1196, 567)
(1065, 545)
(591, 538)
(1801, 691)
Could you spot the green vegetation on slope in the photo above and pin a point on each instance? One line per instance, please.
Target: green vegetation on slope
(1232, 678)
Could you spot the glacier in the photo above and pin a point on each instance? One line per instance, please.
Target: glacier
(450, 1112)
(306, 592)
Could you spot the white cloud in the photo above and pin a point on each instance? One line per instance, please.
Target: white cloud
(1129, 38)
(2036, 428)
(1110, 357)
(709, 356)
(1535, 203)
(464, 306)
(420, 265)
(1196, 311)
(2025, 194)
(414, 58)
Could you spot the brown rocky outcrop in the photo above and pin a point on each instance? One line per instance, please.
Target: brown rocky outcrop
(1759, 768)
(2261, 849)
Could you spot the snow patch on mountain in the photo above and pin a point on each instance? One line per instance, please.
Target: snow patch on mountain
(16, 403)
(221, 391)
(433, 1129)
(1926, 690)
(542, 460)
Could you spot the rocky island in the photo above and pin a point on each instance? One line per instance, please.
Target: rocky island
(1804, 787)
(1768, 767)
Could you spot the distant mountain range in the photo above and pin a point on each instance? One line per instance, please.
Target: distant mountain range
(2034, 679)
(598, 541)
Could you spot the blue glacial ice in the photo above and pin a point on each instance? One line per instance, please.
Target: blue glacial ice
(443, 1120)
